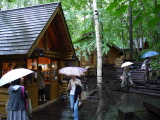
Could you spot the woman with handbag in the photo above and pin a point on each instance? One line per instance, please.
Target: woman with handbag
(84, 89)
(74, 104)
(16, 106)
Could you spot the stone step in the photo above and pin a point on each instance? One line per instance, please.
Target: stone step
(151, 87)
(150, 90)
(145, 93)
(126, 113)
(144, 116)
(152, 105)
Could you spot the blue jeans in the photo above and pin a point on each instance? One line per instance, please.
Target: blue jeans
(74, 107)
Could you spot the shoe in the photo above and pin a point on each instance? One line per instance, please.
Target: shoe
(44, 99)
(39, 100)
(79, 105)
(122, 86)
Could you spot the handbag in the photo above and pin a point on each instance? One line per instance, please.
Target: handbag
(122, 77)
(25, 100)
(82, 96)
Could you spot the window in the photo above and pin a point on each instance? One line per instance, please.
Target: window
(32, 64)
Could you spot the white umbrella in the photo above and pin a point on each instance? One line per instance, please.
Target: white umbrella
(87, 67)
(71, 71)
(126, 64)
(13, 75)
(82, 69)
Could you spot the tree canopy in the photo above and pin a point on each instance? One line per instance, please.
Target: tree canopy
(114, 22)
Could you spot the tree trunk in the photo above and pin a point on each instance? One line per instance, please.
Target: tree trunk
(130, 30)
(0, 5)
(150, 32)
(98, 43)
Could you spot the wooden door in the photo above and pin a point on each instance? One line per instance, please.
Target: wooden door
(33, 94)
(31, 83)
(54, 89)
(54, 80)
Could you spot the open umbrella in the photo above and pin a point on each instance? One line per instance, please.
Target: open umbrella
(126, 64)
(13, 75)
(150, 54)
(82, 69)
(87, 67)
(71, 71)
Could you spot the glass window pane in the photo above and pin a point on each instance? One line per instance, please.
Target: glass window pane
(32, 64)
(45, 64)
(54, 70)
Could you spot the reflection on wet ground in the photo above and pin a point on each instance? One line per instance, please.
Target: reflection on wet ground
(123, 99)
(60, 110)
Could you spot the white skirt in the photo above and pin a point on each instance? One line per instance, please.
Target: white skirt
(17, 115)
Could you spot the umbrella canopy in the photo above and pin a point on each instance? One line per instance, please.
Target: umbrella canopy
(13, 75)
(87, 67)
(150, 54)
(82, 69)
(126, 64)
(71, 71)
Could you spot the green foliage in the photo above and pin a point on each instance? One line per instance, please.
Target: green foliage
(138, 20)
(114, 22)
(155, 65)
(156, 9)
(153, 22)
(120, 11)
(112, 5)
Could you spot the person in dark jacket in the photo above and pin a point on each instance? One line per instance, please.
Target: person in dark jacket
(41, 84)
(16, 105)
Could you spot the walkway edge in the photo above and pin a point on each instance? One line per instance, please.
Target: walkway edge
(40, 107)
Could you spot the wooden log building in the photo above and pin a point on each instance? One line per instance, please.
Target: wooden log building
(33, 36)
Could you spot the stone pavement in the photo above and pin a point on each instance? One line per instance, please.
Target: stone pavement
(119, 99)
(60, 109)
(97, 107)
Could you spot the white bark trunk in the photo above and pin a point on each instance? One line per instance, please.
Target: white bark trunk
(98, 43)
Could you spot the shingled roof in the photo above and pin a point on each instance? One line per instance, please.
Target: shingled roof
(21, 28)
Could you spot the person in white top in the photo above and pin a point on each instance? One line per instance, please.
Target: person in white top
(74, 106)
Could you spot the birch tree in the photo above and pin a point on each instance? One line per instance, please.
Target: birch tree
(98, 45)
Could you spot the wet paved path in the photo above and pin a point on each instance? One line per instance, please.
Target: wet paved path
(123, 99)
(60, 109)
(93, 108)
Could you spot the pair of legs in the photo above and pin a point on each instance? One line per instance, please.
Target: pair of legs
(74, 107)
(40, 94)
(130, 80)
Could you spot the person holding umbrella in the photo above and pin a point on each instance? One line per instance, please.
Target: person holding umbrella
(16, 105)
(146, 64)
(148, 70)
(73, 83)
(126, 74)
